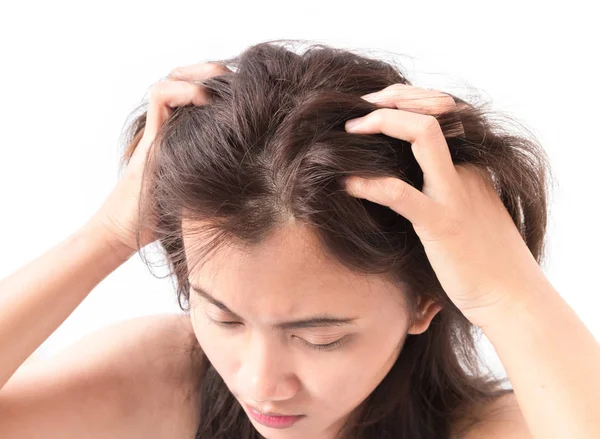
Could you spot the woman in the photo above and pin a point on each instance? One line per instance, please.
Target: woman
(319, 306)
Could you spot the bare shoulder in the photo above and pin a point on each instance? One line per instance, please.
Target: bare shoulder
(500, 418)
(134, 378)
(161, 374)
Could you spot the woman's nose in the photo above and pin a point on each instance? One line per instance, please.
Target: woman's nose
(266, 373)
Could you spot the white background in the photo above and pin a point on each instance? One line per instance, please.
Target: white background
(73, 71)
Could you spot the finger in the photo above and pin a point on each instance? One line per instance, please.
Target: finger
(166, 95)
(416, 99)
(398, 195)
(413, 98)
(198, 72)
(427, 142)
(182, 87)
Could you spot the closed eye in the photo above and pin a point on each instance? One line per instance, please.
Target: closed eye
(317, 347)
(227, 323)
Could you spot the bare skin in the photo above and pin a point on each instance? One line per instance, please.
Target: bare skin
(146, 392)
(36, 300)
(128, 380)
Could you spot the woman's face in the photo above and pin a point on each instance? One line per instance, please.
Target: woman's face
(320, 370)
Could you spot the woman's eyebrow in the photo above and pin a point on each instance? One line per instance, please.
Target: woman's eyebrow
(321, 320)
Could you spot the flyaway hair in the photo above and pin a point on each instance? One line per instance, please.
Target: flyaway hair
(271, 147)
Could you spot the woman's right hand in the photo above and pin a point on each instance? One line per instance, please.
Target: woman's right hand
(118, 216)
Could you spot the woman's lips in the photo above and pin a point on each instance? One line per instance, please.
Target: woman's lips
(273, 421)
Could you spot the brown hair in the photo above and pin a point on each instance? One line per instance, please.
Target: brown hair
(272, 145)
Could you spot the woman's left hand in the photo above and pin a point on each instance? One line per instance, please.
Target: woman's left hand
(470, 239)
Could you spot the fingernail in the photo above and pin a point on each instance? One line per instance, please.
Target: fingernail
(354, 123)
(371, 97)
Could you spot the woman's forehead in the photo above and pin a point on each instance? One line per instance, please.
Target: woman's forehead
(290, 265)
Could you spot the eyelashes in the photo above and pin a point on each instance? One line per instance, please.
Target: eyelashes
(323, 347)
(317, 347)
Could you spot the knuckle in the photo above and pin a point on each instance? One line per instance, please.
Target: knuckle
(448, 102)
(378, 117)
(216, 68)
(428, 126)
(175, 73)
(177, 92)
(158, 90)
(395, 190)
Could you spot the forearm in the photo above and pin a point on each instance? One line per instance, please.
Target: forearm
(552, 361)
(38, 298)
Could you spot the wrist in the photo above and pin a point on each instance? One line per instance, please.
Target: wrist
(105, 238)
(510, 304)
